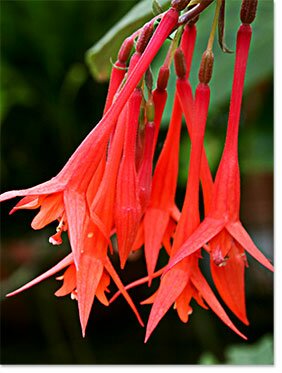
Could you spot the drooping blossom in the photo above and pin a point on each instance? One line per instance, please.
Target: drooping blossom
(222, 228)
(185, 281)
(67, 197)
(162, 212)
(110, 185)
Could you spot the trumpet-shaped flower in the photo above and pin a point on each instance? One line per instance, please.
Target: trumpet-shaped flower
(224, 211)
(185, 280)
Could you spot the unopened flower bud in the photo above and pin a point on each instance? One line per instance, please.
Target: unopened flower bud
(205, 72)
(179, 63)
(150, 111)
(149, 79)
(248, 11)
(163, 78)
(125, 50)
(179, 4)
(144, 37)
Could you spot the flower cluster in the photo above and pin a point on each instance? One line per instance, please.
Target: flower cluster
(113, 186)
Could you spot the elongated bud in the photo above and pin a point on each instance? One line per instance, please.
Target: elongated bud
(179, 63)
(144, 37)
(149, 79)
(125, 50)
(150, 111)
(145, 171)
(248, 11)
(205, 72)
(179, 4)
(188, 44)
(163, 78)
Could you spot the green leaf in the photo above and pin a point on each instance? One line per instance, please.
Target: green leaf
(98, 57)
(260, 353)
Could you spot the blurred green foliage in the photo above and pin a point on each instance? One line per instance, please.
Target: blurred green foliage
(259, 353)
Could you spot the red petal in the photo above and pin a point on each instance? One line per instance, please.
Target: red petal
(145, 171)
(155, 224)
(51, 186)
(29, 202)
(88, 277)
(229, 281)
(166, 171)
(58, 267)
(102, 288)
(175, 213)
(187, 45)
(75, 206)
(150, 300)
(185, 95)
(172, 284)
(201, 284)
(127, 205)
(204, 233)
(139, 239)
(122, 289)
(69, 284)
(240, 234)
(182, 303)
(52, 208)
(159, 98)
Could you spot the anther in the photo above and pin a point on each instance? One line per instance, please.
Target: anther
(56, 239)
(149, 79)
(179, 4)
(125, 50)
(163, 78)
(144, 37)
(205, 72)
(179, 63)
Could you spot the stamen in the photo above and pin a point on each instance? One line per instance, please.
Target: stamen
(74, 295)
(56, 239)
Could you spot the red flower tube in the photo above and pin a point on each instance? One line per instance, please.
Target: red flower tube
(224, 212)
(185, 280)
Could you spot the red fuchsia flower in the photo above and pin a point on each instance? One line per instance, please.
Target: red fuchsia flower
(222, 229)
(78, 171)
(118, 71)
(185, 280)
(162, 207)
(162, 214)
(185, 96)
(127, 205)
(145, 171)
(131, 187)
(146, 164)
(89, 279)
(87, 213)
(70, 282)
(228, 275)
